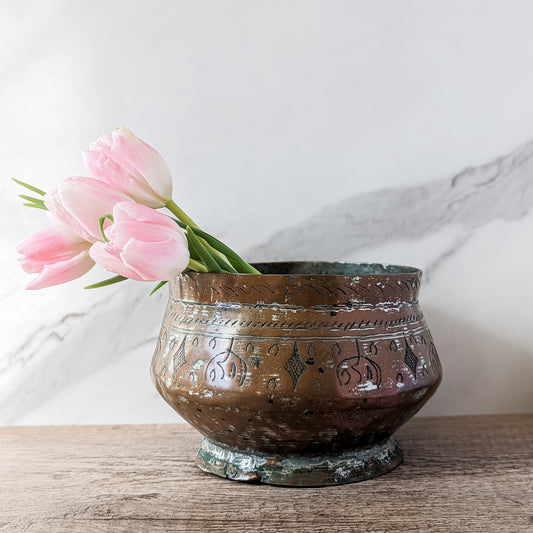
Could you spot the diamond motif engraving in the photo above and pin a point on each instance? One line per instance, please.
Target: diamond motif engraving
(410, 359)
(294, 366)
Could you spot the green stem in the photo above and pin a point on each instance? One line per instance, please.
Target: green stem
(177, 211)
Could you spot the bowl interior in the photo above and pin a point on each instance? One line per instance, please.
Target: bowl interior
(332, 269)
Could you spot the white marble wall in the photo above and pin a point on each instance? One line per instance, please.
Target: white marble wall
(338, 130)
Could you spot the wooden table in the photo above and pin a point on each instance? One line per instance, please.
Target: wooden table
(460, 474)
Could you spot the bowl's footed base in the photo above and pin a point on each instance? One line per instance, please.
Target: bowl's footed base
(300, 470)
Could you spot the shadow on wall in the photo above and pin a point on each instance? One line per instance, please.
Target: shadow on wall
(481, 369)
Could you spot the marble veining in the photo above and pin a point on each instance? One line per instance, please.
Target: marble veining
(74, 345)
(501, 189)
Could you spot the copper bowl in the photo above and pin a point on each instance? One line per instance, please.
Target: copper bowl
(299, 376)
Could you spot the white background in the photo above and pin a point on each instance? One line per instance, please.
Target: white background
(271, 114)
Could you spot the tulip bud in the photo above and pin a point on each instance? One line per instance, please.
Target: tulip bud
(57, 254)
(143, 245)
(131, 166)
(80, 202)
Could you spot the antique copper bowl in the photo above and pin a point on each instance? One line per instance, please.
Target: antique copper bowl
(299, 376)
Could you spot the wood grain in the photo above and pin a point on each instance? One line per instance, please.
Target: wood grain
(461, 474)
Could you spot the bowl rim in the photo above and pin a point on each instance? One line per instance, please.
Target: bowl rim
(313, 269)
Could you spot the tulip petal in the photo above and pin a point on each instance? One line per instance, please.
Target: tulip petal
(52, 243)
(62, 271)
(132, 166)
(80, 202)
(102, 168)
(156, 261)
(120, 232)
(139, 158)
(103, 256)
(144, 244)
(128, 211)
(59, 215)
(146, 224)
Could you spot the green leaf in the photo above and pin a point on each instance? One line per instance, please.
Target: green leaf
(222, 263)
(196, 266)
(157, 287)
(30, 187)
(193, 254)
(196, 246)
(109, 281)
(237, 262)
(33, 200)
(233, 258)
(38, 206)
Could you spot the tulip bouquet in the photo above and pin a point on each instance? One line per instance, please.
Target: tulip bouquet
(111, 219)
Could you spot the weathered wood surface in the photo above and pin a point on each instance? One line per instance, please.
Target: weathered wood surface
(461, 474)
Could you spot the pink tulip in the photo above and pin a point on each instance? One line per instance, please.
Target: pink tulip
(144, 245)
(80, 202)
(57, 254)
(130, 165)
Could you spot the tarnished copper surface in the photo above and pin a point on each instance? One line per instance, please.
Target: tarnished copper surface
(322, 362)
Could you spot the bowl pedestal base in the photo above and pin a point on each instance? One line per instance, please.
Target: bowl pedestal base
(299, 470)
